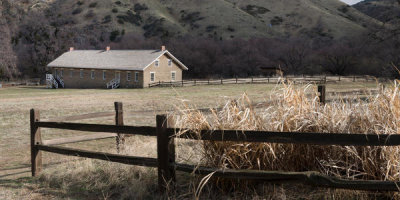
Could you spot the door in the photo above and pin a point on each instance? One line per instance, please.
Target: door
(118, 75)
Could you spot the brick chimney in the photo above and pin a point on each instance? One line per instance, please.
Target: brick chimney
(108, 48)
(71, 48)
(163, 48)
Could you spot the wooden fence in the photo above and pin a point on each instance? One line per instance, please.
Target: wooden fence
(167, 165)
(264, 80)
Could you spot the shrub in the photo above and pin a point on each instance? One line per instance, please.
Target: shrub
(89, 14)
(92, 5)
(131, 18)
(113, 35)
(255, 10)
(139, 7)
(276, 20)
(107, 19)
(77, 11)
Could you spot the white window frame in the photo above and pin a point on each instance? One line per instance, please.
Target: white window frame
(104, 75)
(154, 76)
(61, 73)
(169, 62)
(81, 73)
(92, 74)
(136, 76)
(157, 63)
(174, 77)
(71, 72)
(128, 76)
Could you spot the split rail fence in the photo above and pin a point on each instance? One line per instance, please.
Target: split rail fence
(263, 80)
(167, 165)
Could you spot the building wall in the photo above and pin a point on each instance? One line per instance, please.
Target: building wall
(97, 82)
(162, 72)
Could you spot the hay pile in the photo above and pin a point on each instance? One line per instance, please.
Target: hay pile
(293, 109)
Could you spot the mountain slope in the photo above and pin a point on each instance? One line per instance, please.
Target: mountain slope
(43, 29)
(387, 11)
(221, 19)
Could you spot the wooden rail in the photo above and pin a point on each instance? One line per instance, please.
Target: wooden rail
(310, 178)
(167, 165)
(267, 80)
(263, 80)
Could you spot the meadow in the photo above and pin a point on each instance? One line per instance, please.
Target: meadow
(66, 177)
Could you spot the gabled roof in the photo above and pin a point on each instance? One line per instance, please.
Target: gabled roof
(112, 59)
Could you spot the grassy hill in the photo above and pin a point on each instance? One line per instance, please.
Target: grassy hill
(222, 19)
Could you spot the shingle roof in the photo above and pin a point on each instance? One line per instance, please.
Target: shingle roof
(112, 59)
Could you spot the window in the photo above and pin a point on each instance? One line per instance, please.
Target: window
(71, 72)
(61, 73)
(92, 74)
(136, 76)
(152, 76)
(157, 63)
(169, 62)
(104, 75)
(128, 76)
(173, 75)
(81, 73)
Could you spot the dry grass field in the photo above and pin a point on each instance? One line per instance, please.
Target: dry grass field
(140, 108)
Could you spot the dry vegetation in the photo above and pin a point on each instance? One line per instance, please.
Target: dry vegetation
(292, 109)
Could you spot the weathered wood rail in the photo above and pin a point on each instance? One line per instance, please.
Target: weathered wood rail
(264, 80)
(167, 166)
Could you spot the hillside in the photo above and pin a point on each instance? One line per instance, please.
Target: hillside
(46, 28)
(222, 19)
(7, 56)
(387, 11)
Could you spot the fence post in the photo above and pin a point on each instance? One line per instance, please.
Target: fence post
(119, 121)
(194, 82)
(222, 82)
(252, 80)
(354, 78)
(322, 91)
(165, 154)
(182, 82)
(36, 138)
(236, 79)
(339, 78)
(208, 83)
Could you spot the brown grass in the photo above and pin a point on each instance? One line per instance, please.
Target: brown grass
(292, 110)
(80, 179)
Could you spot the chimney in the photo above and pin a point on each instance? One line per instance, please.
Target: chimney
(163, 48)
(71, 48)
(108, 48)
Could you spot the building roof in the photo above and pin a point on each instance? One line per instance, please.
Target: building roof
(112, 59)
